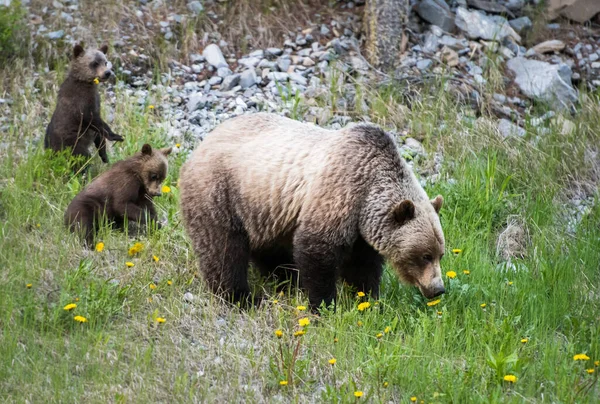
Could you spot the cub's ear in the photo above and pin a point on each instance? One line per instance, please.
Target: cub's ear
(77, 51)
(437, 203)
(166, 151)
(404, 211)
(104, 49)
(147, 150)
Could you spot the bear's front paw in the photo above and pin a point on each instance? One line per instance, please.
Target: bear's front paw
(115, 137)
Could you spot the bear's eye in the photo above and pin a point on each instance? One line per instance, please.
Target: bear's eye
(428, 258)
(95, 64)
(153, 177)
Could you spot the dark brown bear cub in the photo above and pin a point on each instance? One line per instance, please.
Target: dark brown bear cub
(125, 190)
(76, 121)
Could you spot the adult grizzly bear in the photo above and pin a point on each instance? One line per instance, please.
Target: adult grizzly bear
(76, 121)
(125, 190)
(334, 203)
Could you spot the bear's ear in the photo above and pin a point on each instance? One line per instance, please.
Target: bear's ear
(77, 51)
(404, 211)
(104, 49)
(437, 203)
(166, 151)
(147, 150)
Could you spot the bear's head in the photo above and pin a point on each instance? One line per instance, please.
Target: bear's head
(416, 244)
(89, 65)
(153, 168)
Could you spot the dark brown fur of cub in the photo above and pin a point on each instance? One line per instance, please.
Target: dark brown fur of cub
(76, 121)
(125, 190)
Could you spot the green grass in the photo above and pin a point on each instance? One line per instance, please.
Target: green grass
(205, 351)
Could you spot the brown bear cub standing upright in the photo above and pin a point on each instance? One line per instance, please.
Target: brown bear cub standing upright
(76, 121)
(333, 203)
(125, 190)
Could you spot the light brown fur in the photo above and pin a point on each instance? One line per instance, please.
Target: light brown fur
(330, 202)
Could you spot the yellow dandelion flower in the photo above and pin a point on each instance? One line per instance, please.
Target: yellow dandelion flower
(359, 323)
(80, 319)
(385, 384)
(150, 106)
(299, 333)
(413, 399)
(177, 145)
(466, 272)
(76, 299)
(332, 361)
(363, 306)
(360, 294)
(300, 308)
(581, 357)
(482, 305)
(387, 329)
(169, 282)
(38, 225)
(451, 274)
(278, 333)
(160, 319)
(275, 301)
(149, 300)
(510, 283)
(283, 383)
(166, 189)
(303, 322)
(96, 81)
(439, 313)
(152, 286)
(70, 306)
(335, 340)
(136, 248)
(434, 302)
(590, 371)
(456, 250)
(100, 247)
(29, 285)
(379, 335)
(129, 264)
(524, 340)
(597, 363)
(358, 394)
(155, 258)
(510, 378)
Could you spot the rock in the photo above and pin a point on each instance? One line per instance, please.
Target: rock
(273, 52)
(278, 76)
(521, 24)
(224, 72)
(543, 81)
(195, 7)
(249, 62)
(509, 129)
(56, 34)
(188, 297)
(449, 56)
(501, 98)
(490, 6)
(283, 64)
(196, 101)
(566, 127)
(576, 10)
(512, 242)
(424, 64)
(436, 12)
(214, 80)
(213, 55)
(414, 145)
(308, 62)
(478, 26)
(358, 63)
(248, 78)
(324, 30)
(553, 45)
(230, 81)
(196, 58)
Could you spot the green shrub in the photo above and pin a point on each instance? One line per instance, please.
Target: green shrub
(13, 31)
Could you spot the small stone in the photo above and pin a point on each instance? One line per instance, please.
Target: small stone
(324, 30)
(521, 24)
(424, 64)
(195, 7)
(278, 76)
(479, 26)
(414, 145)
(449, 56)
(230, 81)
(197, 68)
(283, 64)
(224, 72)
(196, 101)
(214, 80)
(213, 55)
(436, 12)
(308, 62)
(248, 78)
(273, 52)
(509, 129)
(196, 58)
(249, 62)
(188, 297)
(298, 78)
(592, 57)
(499, 97)
(56, 34)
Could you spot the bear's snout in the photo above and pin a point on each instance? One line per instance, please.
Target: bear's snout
(434, 289)
(107, 74)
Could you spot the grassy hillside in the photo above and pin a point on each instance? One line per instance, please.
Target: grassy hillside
(527, 316)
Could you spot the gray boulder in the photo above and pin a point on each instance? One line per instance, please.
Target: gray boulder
(248, 78)
(543, 81)
(436, 12)
(509, 129)
(521, 24)
(230, 81)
